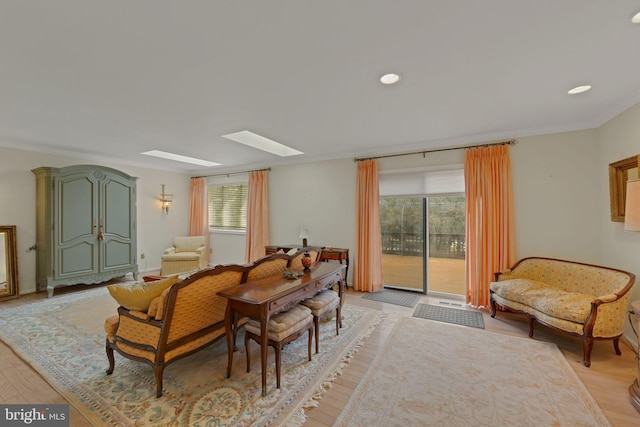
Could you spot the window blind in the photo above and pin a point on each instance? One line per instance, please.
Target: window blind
(419, 183)
(228, 206)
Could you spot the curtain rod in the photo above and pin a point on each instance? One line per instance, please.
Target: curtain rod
(231, 173)
(423, 152)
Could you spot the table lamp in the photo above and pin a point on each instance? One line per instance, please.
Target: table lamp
(304, 234)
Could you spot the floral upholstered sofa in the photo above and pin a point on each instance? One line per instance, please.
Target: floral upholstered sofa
(581, 299)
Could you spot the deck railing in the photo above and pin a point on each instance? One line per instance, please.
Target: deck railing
(411, 244)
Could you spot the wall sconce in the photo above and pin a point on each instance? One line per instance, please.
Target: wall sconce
(304, 234)
(166, 200)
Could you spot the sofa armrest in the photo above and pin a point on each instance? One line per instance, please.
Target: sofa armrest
(497, 276)
(170, 250)
(136, 331)
(607, 298)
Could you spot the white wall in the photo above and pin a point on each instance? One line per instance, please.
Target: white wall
(155, 228)
(556, 207)
(618, 139)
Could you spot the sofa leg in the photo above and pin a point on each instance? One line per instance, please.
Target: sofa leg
(158, 370)
(493, 306)
(616, 345)
(112, 362)
(587, 346)
(531, 323)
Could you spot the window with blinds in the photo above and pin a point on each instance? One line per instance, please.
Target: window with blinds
(228, 207)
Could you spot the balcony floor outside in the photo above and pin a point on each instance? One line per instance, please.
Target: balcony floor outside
(446, 275)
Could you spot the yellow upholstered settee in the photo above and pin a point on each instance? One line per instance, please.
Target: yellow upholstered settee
(188, 253)
(186, 317)
(580, 299)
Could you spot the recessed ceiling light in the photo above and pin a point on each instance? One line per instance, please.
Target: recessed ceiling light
(261, 143)
(389, 79)
(636, 18)
(179, 158)
(579, 89)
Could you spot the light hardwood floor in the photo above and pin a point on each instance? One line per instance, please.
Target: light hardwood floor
(607, 379)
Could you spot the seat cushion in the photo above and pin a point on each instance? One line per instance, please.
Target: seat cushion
(111, 325)
(322, 302)
(181, 256)
(283, 324)
(571, 306)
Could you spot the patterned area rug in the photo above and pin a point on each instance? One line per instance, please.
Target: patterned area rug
(458, 316)
(394, 297)
(63, 339)
(468, 377)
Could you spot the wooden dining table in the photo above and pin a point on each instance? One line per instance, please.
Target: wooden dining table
(261, 299)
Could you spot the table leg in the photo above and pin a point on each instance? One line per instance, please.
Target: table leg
(341, 284)
(228, 326)
(264, 322)
(346, 272)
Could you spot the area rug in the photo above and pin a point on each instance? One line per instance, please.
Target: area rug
(63, 339)
(459, 316)
(393, 297)
(439, 374)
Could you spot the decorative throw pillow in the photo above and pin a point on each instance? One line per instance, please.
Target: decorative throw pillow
(138, 296)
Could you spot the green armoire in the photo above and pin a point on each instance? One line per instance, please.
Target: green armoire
(85, 225)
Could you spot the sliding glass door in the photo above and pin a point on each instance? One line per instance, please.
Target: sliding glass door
(423, 243)
(403, 247)
(446, 248)
(422, 218)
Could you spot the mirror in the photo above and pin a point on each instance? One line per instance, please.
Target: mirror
(8, 263)
(619, 173)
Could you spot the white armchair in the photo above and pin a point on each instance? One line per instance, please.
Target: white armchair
(188, 253)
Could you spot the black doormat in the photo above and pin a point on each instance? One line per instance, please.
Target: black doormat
(398, 298)
(458, 316)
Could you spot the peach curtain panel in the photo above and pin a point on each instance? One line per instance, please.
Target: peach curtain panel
(199, 209)
(489, 228)
(257, 215)
(368, 267)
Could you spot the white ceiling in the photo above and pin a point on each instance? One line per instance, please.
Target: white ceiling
(108, 80)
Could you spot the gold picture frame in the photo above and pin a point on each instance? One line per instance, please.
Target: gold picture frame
(8, 263)
(619, 173)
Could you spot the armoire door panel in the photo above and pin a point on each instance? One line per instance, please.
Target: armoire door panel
(77, 259)
(116, 254)
(118, 211)
(77, 209)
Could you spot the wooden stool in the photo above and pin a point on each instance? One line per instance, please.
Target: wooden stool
(282, 329)
(322, 306)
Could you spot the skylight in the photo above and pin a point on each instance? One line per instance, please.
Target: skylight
(261, 143)
(579, 89)
(179, 158)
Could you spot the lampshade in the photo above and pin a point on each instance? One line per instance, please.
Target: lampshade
(304, 233)
(632, 206)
